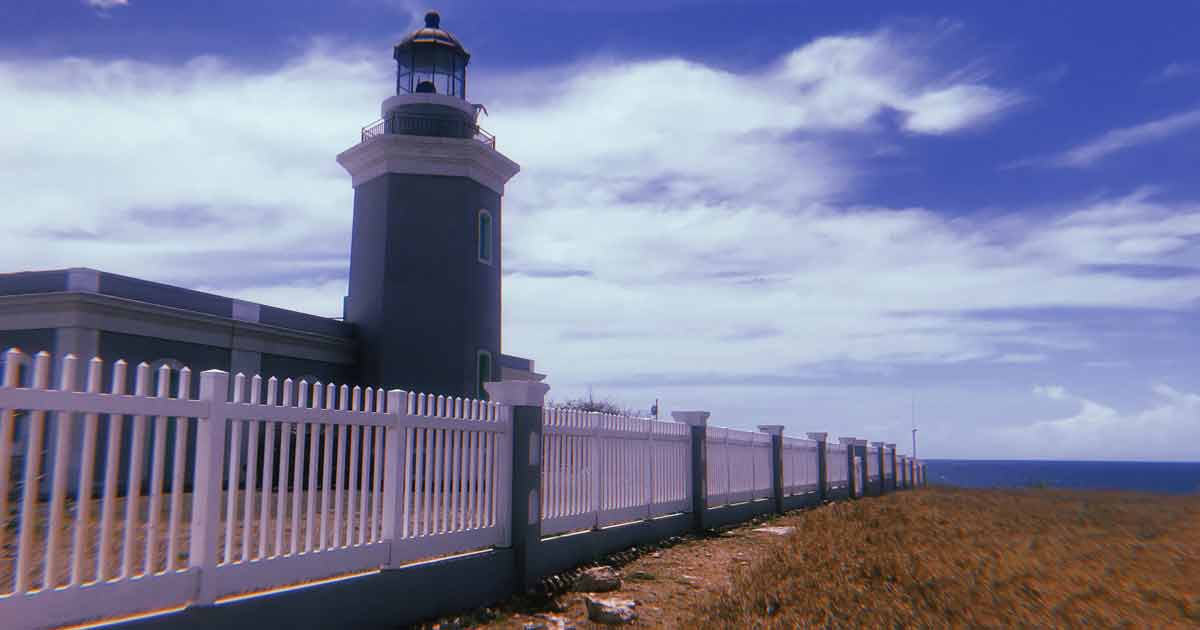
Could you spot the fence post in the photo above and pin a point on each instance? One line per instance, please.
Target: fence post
(851, 471)
(860, 451)
(889, 456)
(776, 433)
(206, 488)
(698, 421)
(880, 448)
(394, 482)
(822, 466)
(649, 489)
(525, 399)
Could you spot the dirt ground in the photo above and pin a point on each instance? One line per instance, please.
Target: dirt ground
(666, 581)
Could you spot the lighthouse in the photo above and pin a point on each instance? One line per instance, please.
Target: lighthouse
(425, 256)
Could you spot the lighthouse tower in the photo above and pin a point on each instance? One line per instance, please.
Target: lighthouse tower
(425, 256)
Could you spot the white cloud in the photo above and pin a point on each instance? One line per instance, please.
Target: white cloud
(1176, 69)
(1168, 427)
(845, 81)
(1021, 357)
(1118, 140)
(106, 4)
(955, 108)
(670, 218)
(1053, 392)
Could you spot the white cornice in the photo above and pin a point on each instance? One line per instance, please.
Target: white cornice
(121, 315)
(425, 155)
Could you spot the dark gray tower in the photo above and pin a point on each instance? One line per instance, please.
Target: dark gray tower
(425, 258)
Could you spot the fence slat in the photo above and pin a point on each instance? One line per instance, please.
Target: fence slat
(311, 511)
(235, 470)
(327, 467)
(111, 462)
(12, 370)
(133, 485)
(285, 456)
(86, 472)
(268, 472)
(177, 472)
(33, 459)
(157, 466)
(62, 430)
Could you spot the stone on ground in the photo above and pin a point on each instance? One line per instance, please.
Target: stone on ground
(610, 611)
(778, 531)
(598, 580)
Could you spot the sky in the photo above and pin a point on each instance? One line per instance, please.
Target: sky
(792, 213)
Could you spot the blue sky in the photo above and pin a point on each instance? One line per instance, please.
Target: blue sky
(796, 213)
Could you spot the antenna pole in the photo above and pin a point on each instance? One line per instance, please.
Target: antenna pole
(914, 425)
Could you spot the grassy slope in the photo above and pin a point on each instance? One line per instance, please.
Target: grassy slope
(941, 558)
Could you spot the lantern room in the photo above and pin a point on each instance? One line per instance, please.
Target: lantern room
(431, 61)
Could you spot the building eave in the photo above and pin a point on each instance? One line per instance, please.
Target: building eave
(106, 313)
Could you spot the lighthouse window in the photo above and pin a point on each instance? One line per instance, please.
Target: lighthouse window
(483, 370)
(484, 235)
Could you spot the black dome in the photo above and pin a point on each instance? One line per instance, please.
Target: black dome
(432, 33)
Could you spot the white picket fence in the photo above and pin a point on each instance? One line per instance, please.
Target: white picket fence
(800, 466)
(837, 469)
(289, 483)
(739, 466)
(154, 499)
(602, 469)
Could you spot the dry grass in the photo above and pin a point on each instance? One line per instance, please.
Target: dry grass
(931, 558)
(945, 558)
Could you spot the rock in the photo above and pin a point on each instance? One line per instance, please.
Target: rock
(690, 580)
(642, 576)
(778, 531)
(610, 611)
(535, 625)
(554, 622)
(656, 554)
(598, 580)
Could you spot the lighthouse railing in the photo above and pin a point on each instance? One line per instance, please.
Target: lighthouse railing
(409, 124)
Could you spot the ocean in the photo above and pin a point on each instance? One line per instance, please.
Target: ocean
(1165, 477)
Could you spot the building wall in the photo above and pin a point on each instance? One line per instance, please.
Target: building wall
(283, 367)
(28, 341)
(135, 349)
(422, 302)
